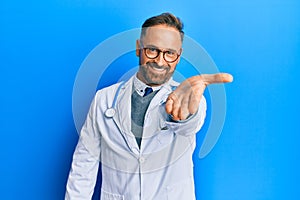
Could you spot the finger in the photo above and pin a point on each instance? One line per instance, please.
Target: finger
(184, 108)
(175, 110)
(216, 78)
(169, 106)
(195, 99)
(170, 103)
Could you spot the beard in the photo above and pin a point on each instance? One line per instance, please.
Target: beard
(153, 74)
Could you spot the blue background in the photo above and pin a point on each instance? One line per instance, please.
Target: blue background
(43, 43)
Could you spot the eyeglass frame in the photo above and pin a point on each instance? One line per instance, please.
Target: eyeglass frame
(161, 51)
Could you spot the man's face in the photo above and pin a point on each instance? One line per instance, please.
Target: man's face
(157, 71)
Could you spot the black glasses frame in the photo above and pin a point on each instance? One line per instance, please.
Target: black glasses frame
(158, 53)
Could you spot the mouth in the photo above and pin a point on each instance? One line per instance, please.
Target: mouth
(157, 68)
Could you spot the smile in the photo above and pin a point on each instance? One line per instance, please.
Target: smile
(157, 69)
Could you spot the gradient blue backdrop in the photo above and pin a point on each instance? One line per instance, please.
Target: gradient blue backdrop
(43, 43)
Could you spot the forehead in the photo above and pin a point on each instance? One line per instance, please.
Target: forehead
(162, 36)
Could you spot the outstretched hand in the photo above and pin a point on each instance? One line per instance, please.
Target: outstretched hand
(186, 98)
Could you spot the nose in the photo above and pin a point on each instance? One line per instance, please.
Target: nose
(160, 59)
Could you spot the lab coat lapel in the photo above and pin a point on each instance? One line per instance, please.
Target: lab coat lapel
(156, 115)
(162, 95)
(123, 115)
(123, 107)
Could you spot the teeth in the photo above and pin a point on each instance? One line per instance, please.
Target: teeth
(158, 69)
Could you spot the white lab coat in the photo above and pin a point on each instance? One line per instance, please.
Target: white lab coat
(161, 168)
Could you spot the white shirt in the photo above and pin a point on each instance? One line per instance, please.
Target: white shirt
(162, 168)
(140, 86)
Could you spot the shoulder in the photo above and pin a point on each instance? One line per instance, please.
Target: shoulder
(108, 91)
(173, 83)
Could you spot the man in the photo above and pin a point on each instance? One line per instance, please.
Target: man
(143, 131)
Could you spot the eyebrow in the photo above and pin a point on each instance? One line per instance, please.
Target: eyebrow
(153, 46)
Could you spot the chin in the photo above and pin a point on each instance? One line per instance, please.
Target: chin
(157, 82)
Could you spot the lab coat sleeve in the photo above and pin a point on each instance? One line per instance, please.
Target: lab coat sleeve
(191, 125)
(85, 164)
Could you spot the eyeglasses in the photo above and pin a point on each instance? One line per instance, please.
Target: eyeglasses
(168, 55)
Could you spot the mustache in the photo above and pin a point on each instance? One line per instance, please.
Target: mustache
(153, 64)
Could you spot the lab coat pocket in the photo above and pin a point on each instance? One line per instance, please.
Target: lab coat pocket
(181, 190)
(110, 196)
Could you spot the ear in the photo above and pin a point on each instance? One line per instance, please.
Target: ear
(137, 48)
(177, 61)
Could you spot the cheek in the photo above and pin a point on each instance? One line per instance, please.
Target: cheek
(143, 59)
(172, 67)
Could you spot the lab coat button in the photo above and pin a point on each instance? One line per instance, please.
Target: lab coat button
(142, 159)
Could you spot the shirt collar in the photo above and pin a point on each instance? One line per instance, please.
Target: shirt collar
(140, 86)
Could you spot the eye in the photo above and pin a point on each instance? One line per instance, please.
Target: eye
(171, 53)
(152, 49)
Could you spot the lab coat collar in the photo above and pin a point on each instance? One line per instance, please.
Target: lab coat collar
(140, 86)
